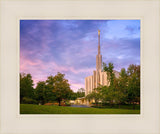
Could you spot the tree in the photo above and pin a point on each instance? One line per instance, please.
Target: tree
(95, 95)
(122, 83)
(26, 86)
(111, 78)
(133, 84)
(61, 87)
(80, 92)
(49, 92)
(89, 97)
(40, 92)
(55, 88)
(72, 95)
(106, 94)
(110, 73)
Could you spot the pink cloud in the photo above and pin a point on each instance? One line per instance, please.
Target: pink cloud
(40, 70)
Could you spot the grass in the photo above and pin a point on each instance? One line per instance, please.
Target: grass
(42, 109)
(126, 106)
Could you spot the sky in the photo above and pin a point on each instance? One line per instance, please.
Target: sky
(71, 46)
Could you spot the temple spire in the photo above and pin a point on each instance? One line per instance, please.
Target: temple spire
(99, 42)
(99, 56)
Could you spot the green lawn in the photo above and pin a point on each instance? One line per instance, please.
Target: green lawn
(127, 106)
(42, 109)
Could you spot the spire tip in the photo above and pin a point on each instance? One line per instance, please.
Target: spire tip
(98, 32)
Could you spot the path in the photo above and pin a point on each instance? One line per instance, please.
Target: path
(80, 106)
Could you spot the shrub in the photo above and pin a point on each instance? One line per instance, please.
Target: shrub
(26, 100)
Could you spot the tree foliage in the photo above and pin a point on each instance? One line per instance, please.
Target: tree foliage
(40, 94)
(55, 88)
(80, 93)
(133, 84)
(26, 86)
(61, 87)
(122, 90)
(94, 95)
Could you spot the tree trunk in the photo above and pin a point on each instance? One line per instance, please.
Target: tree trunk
(96, 103)
(59, 102)
(43, 102)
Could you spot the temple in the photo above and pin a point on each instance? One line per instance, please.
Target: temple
(99, 77)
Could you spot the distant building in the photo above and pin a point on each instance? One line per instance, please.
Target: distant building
(99, 77)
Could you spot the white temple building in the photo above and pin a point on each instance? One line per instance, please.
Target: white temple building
(99, 77)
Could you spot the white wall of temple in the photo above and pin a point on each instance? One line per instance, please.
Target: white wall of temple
(104, 78)
(88, 84)
(93, 81)
(85, 86)
(101, 79)
(97, 78)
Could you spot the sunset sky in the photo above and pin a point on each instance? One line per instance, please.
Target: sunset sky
(70, 47)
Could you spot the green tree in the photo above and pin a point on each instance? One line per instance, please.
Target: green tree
(61, 87)
(40, 92)
(89, 97)
(95, 95)
(26, 86)
(110, 73)
(121, 82)
(111, 78)
(106, 94)
(72, 95)
(133, 84)
(49, 92)
(81, 92)
(44, 91)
